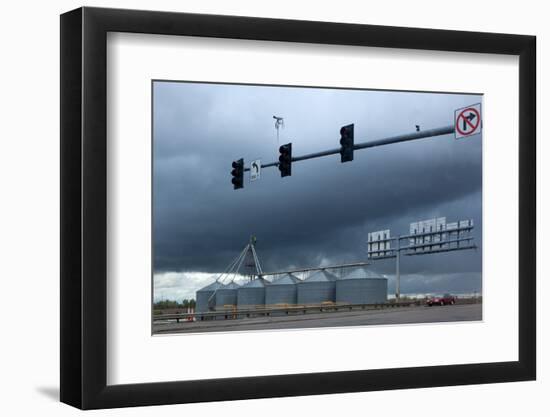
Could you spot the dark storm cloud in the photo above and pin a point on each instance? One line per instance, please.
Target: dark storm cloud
(323, 212)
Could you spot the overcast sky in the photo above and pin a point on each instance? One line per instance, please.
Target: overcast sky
(323, 212)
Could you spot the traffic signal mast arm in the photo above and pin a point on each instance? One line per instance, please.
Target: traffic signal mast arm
(371, 144)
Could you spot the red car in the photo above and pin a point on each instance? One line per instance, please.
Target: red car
(447, 299)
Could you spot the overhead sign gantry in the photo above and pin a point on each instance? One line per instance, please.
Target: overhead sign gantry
(425, 237)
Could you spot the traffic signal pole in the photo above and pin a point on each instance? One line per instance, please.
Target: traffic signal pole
(371, 144)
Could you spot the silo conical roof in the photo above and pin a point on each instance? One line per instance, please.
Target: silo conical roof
(321, 276)
(231, 286)
(287, 279)
(256, 283)
(213, 286)
(361, 273)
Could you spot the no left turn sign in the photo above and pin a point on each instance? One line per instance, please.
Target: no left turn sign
(468, 121)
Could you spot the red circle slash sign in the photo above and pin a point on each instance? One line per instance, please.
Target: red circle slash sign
(467, 121)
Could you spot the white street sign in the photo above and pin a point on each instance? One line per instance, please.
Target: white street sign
(427, 226)
(255, 170)
(466, 223)
(468, 121)
(452, 226)
(378, 244)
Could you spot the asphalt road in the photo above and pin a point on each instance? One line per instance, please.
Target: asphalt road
(404, 315)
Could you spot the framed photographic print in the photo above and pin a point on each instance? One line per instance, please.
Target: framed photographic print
(258, 207)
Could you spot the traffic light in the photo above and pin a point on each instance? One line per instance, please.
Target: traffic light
(238, 173)
(285, 160)
(346, 142)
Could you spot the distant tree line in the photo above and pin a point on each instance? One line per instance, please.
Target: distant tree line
(160, 305)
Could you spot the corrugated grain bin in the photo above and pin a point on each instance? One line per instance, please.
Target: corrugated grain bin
(282, 290)
(252, 294)
(226, 297)
(205, 299)
(318, 288)
(361, 286)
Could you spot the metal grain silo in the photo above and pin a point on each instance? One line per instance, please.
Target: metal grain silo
(318, 288)
(205, 298)
(226, 297)
(361, 286)
(282, 290)
(252, 294)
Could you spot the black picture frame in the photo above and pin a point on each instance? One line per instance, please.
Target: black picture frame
(83, 310)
